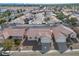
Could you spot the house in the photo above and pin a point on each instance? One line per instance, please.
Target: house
(41, 35)
(14, 31)
(38, 18)
(3, 10)
(50, 13)
(21, 19)
(53, 20)
(37, 32)
(61, 34)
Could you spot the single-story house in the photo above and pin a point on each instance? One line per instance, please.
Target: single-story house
(43, 34)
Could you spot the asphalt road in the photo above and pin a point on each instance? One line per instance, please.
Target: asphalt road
(50, 54)
(56, 53)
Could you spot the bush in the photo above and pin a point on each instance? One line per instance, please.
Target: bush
(17, 42)
(7, 44)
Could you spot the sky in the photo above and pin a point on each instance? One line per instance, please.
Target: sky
(40, 1)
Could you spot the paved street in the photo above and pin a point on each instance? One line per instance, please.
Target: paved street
(74, 52)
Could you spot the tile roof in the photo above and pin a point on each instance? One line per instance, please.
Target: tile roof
(76, 29)
(61, 33)
(38, 32)
(21, 19)
(13, 32)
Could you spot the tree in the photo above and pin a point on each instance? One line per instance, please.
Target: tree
(8, 44)
(73, 20)
(60, 16)
(6, 13)
(2, 21)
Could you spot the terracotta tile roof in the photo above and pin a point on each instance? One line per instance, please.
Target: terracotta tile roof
(76, 29)
(38, 32)
(13, 32)
(61, 32)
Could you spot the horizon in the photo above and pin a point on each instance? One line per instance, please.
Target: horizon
(39, 1)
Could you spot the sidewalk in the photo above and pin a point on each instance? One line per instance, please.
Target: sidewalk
(47, 52)
(65, 51)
